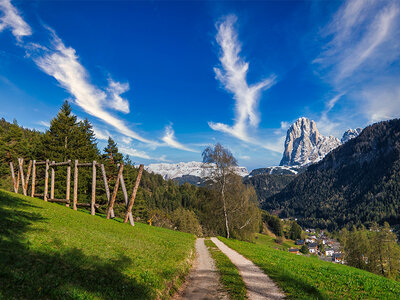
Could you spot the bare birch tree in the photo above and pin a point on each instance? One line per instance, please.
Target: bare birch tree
(239, 209)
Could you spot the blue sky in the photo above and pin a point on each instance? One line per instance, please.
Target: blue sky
(166, 79)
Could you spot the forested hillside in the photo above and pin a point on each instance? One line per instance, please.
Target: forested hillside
(267, 185)
(184, 207)
(359, 182)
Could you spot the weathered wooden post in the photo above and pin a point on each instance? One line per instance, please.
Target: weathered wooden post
(21, 174)
(103, 171)
(27, 176)
(68, 191)
(33, 178)
(53, 177)
(126, 198)
(129, 210)
(111, 206)
(13, 178)
(75, 201)
(46, 181)
(92, 205)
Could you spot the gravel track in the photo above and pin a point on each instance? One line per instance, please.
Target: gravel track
(258, 284)
(203, 280)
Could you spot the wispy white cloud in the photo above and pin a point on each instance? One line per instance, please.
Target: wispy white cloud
(127, 140)
(44, 123)
(62, 63)
(134, 152)
(360, 32)
(325, 124)
(232, 74)
(361, 48)
(13, 20)
(100, 134)
(115, 89)
(140, 154)
(170, 139)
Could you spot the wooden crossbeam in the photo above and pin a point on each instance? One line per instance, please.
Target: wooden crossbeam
(59, 200)
(64, 163)
(87, 205)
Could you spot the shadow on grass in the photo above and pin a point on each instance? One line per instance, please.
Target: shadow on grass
(67, 273)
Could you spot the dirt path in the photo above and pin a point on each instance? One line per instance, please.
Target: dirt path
(203, 281)
(258, 284)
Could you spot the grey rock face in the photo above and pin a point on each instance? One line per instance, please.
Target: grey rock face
(304, 144)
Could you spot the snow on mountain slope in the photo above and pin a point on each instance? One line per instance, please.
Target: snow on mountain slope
(193, 168)
(350, 134)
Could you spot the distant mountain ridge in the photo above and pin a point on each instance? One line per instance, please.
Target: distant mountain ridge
(190, 170)
(358, 182)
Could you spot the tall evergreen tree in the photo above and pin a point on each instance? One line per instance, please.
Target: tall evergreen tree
(111, 152)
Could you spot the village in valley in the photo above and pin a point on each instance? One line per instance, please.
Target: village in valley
(316, 242)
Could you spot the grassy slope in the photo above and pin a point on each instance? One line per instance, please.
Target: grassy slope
(265, 240)
(230, 277)
(306, 277)
(50, 251)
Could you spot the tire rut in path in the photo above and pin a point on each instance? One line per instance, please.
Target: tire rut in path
(258, 284)
(203, 280)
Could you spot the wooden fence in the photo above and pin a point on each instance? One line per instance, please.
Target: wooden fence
(111, 199)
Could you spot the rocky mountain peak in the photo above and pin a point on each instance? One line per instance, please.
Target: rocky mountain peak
(350, 134)
(305, 145)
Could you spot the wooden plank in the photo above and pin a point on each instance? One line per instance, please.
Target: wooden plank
(33, 178)
(85, 165)
(87, 205)
(13, 178)
(21, 172)
(111, 206)
(28, 175)
(92, 208)
(75, 185)
(103, 171)
(46, 181)
(64, 163)
(68, 191)
(53, 178)
(126, 199)
(129, 210)
(59, 200)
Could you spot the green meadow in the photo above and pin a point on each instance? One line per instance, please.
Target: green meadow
(50, 251)
(302, 277)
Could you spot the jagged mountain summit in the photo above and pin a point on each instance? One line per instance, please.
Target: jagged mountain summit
(193, 168)
(359, 182)
(305, 145)
(350, 134)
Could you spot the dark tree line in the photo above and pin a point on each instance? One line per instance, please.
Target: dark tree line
(183, 207)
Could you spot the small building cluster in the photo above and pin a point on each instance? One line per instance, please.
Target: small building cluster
(318, 243)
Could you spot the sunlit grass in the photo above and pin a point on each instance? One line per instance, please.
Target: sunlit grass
(50, 251)
(302, 277)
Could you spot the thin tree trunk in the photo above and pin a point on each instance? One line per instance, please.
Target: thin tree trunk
(224, 204)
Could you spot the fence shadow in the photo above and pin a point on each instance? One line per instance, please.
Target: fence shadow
(67, 273)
